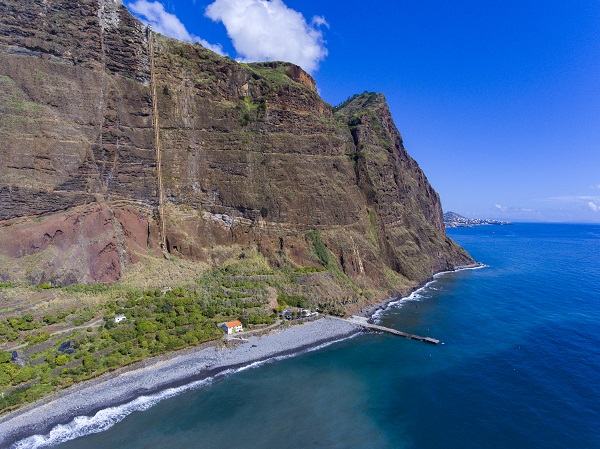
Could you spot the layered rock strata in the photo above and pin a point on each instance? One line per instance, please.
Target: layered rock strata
(115, 140)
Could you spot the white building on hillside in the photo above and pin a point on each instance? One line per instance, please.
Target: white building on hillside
(232, 327)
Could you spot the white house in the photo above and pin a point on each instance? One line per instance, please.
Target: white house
(120, 318)
(232, 327)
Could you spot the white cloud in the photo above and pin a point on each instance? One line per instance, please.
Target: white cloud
(163, 22)
(319, 21)
(267, 30)
(596, 186)
(585, 201)
(575, 198)
(512, 210)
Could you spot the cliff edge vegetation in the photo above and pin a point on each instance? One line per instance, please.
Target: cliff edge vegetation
(131, 163)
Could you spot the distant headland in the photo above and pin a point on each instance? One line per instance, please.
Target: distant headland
(454, 220)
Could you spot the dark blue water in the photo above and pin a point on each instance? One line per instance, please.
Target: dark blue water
(519, 367)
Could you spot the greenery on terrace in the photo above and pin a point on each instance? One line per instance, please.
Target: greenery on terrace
(157, 321)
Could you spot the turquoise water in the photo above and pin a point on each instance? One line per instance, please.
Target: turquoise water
(519, 367)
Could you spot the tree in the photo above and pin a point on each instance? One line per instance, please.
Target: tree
(146, 327)
(50, 319)
(89, 363)
(4, 356)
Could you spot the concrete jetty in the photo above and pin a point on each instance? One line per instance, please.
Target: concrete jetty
(364, 322)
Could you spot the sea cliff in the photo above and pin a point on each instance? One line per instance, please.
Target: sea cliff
(153, 179)
(117, 140)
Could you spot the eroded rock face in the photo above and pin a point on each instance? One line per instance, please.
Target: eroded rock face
(249, 154)
(408, 211)
(75, 106)
(84, 244)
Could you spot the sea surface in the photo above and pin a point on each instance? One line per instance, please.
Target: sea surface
(519, 366)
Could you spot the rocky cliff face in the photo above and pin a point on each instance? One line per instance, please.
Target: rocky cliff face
(115, 140)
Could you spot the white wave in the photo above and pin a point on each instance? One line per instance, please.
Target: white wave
(108, 417)
(418, 294)
(398, 303)
(456, 270)
(103, 419)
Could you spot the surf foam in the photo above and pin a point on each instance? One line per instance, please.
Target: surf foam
(106, 418)
(417, 295)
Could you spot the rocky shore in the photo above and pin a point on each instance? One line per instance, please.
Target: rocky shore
(372, 310)
(149, 378)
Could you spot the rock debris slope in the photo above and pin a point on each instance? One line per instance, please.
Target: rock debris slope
(115, 141)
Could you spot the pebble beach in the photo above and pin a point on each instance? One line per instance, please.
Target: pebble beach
(151, 378)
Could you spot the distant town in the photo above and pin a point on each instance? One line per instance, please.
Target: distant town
(454, 220)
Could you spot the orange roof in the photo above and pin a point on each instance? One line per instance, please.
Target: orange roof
(233, 323)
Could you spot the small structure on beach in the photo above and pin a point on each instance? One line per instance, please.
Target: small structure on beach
(120, 318)
(297, 313)
(232, 327)
(307, 313)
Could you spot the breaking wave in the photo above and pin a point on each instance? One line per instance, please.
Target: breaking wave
(108, 417)
(418, 294)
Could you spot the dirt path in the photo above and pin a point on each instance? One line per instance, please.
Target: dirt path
(96, 323)
(244, 334)
(273, 298)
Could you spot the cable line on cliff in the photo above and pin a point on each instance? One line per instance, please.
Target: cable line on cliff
(161, 218)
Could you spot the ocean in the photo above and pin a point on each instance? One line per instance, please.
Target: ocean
(519, 366)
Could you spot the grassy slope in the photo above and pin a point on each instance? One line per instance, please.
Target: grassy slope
(36, 321)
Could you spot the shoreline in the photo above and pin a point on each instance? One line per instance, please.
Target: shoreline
(169, 374)
(370, 311)
(162, 377)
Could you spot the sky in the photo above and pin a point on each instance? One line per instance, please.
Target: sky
(498, 102)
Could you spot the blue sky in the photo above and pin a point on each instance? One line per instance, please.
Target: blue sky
(499, 102)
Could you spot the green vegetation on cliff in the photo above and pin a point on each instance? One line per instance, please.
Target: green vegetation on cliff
(60, 346)
(268, 195)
